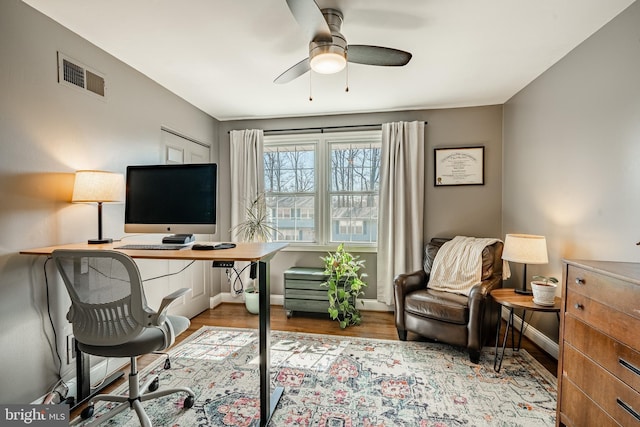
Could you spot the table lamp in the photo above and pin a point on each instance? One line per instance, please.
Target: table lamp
(525, 249)
(98, 187)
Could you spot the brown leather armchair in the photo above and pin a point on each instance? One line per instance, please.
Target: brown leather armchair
(468, 322)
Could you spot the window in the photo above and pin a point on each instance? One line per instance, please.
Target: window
(323, 189)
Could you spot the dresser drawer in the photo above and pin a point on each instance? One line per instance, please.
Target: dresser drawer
(304, 284)
(307, 305)
(618, 294)
(580, 411)
(320, 295)
(617, 358)
(617, 399)
(618, 325)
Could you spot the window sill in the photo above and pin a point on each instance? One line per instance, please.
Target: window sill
(293, 247)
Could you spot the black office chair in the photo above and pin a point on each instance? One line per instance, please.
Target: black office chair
(111, 318)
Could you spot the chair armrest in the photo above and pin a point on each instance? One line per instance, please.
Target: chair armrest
(404, 284)
(484, 288)
(159, 318)
(409, 282)
(479, 297)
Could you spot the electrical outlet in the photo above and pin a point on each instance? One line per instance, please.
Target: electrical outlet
(71, 349)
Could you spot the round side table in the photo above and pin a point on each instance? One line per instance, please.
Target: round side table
(510, 299)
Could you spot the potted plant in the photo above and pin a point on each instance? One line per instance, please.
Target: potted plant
(544, 289)
(344, 285)
(255, 228)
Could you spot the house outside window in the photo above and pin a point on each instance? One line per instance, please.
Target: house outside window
(322, 189)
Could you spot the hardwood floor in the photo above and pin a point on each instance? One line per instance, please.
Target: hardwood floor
(379, 325)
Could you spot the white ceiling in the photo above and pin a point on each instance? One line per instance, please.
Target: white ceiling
(223, 55)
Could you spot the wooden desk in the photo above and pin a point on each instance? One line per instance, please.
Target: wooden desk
(510, 299)
(261, 253)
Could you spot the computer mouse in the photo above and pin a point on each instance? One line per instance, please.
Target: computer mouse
(202, 247)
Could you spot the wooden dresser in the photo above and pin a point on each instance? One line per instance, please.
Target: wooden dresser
(599, 365)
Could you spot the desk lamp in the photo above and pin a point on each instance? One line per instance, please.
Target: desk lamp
(525, 249)
(98, 187)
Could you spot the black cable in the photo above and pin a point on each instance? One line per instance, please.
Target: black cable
(233, 286)
(55, 335)
(170, 274)
(238, 278)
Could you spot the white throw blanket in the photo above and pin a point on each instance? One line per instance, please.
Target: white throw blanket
(457, 266)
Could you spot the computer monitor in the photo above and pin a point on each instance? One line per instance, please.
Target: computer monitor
(177, 199)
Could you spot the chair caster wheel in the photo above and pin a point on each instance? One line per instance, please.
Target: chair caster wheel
(154, 384)
(189, 402)
(87, 412)
(167, 363)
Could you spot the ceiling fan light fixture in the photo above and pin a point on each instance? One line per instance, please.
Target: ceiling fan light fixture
(328, 59)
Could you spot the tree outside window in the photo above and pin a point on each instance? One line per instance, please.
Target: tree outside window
(324, 189)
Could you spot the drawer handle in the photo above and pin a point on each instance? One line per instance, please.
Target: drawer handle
(628, 408)
(580, 281)
(578, 306)
(629, 366)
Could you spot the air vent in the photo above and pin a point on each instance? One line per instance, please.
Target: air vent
(73, 73)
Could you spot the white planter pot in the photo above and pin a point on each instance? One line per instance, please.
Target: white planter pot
(252, 300)
(543, 293)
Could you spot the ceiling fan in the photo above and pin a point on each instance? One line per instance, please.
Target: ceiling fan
(328, 48)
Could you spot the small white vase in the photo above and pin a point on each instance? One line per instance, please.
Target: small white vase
(252, 300)
(544, 293)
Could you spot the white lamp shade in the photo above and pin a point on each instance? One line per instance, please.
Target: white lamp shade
(98, 186)
(525, 249)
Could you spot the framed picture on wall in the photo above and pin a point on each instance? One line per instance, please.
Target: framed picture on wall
(459, 166)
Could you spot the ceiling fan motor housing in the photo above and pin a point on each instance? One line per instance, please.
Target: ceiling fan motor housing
(336, 48)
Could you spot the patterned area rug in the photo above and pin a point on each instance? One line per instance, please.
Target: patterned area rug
(343, 381)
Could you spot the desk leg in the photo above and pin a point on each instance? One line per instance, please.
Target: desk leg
(83, 379)
(268, 401)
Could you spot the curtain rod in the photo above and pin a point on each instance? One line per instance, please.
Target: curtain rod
(322, 129)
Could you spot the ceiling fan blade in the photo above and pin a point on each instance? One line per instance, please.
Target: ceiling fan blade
(376, 55)
(310, 18)
(294, 72)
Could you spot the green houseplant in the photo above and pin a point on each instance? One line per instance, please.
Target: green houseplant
(545, 279)
(344, 285)
(255, 228)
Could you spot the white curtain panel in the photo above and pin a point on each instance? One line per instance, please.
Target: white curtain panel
(400, 219)
(247, 177)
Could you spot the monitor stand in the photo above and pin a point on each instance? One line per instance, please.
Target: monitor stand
(179, 239)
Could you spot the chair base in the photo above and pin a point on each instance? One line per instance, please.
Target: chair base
(137, 395)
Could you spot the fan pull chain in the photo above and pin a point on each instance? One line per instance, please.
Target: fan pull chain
(346, 89)
(310, 93)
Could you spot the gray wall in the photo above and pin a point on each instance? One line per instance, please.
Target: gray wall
(47, 131)
(449, 211)
(572, 154)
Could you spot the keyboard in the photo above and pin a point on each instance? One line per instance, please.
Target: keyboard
(161, 247)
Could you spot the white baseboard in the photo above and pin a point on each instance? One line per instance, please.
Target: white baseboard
(369, 304)
(543, 341)
(374, 305)
(97, 372)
